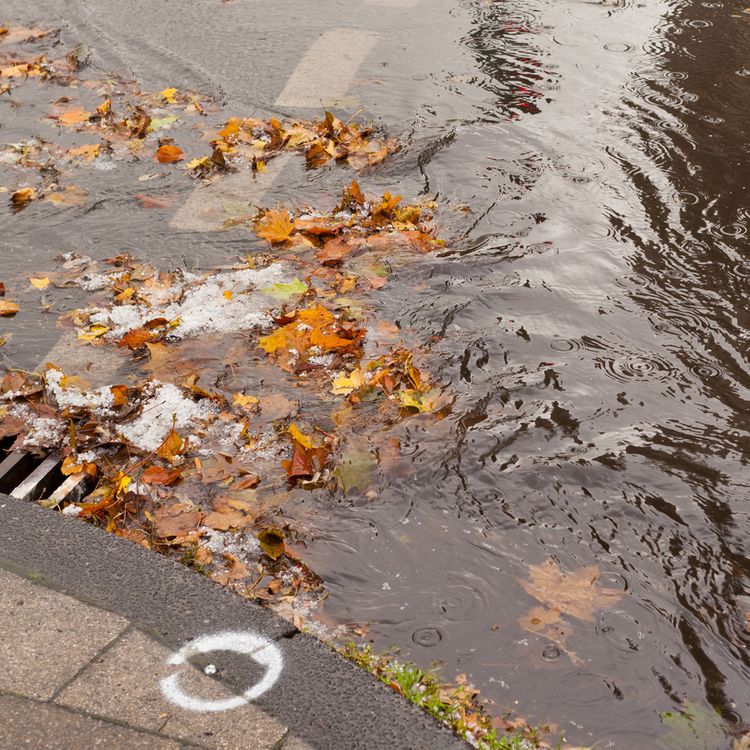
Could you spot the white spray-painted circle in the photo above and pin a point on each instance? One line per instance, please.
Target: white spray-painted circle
(259, 648)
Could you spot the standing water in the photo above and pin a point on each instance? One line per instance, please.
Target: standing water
(587, 316)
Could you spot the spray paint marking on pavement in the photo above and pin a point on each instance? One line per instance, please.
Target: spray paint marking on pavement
(259, 648)
(326, 72)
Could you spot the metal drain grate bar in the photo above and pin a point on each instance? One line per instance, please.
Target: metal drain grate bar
(41, 480)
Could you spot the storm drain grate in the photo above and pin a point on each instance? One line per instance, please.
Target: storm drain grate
(26, 476)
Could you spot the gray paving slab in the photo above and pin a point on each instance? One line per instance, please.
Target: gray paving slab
(124, 684)
(58, 636)
(324, 700)
(40, 726)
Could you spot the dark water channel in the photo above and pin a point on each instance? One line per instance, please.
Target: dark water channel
(589, 316)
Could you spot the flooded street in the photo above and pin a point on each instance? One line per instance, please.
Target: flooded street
(586, 321)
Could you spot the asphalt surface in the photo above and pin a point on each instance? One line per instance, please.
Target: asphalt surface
(322, 698)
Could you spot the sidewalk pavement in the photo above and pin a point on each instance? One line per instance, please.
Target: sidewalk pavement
(106, 644)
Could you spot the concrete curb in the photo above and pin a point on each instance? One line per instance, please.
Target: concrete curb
(321, 697)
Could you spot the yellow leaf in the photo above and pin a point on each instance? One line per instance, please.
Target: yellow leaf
(8, 308)
(169, 95)
(197, 163)
(228, 294)
(275, 226)
(243, 401)
(122, 482)
(93, 332)
(343, 384)
(304, 440)
(22, 197)
(171, 446)
(412, 399)
(232, 128)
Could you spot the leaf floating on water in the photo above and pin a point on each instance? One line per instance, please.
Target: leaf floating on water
(7, 308)
(285, 292)
(276, 226)
(22, 197)
(576, 594)
(169, 154)
(355, 470)
(39, 282)
(161, 476)
(693, 727)
(272, 542)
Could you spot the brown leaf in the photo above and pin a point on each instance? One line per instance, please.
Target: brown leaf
(226, 519)
(159, 475)
(300, 465)
(168, 154)
(336, 249)
(576, 594)
(275, 226)
(177, 519)
(272, 542)
(154, 201)
(276, 406)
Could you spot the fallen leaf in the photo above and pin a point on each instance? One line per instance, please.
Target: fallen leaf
(169, 95)
(306, 441)
(275, 226)
(284, 292)
(343, 384)
(272, 542)
(39, 282)
(355, 470)
(73, 117)
(22, 197)
(275, 407)
(576, 594)
(177, 519)
(161, 476)
(89, 151)
(7, 308)
(245, 402)
(300, 465)
(171, 446)
(227, 519)
(154, 201)
(136, 338)
(168, 154)
(71, 195)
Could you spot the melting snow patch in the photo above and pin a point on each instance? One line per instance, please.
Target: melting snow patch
(224, 302)
(98, 398)
(167, 406)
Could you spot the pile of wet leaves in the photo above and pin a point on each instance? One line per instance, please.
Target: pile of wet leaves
(191, 455)
(100, 121)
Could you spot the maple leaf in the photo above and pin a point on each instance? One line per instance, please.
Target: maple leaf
(169, 153)
(576, 594)
(275, 226)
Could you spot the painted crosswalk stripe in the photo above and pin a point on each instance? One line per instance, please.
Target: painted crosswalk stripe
(326, 71)
(209, 206)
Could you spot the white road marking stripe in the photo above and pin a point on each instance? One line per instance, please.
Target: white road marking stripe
(326, 72)
(95, 363)
(395, 3)
(209, 206)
